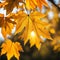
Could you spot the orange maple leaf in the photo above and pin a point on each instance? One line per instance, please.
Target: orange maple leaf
(31, 4)
(11, 49)
(31, 23)
(6, 24)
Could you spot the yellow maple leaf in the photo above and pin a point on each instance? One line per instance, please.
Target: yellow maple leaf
(31, 4)
(6, 24)
(11, 49)
(11, 4)
(31, 23)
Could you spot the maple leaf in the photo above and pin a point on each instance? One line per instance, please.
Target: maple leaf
(11, 49)
(11, 4)
(31, 23)
(6, 24)
(31, 4)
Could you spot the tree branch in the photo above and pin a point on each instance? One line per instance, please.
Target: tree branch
(54, 4)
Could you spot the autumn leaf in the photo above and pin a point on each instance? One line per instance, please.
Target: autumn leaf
(11, 5)
(11, 49)
(31, 4)
(6, 25)
(31, 23)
